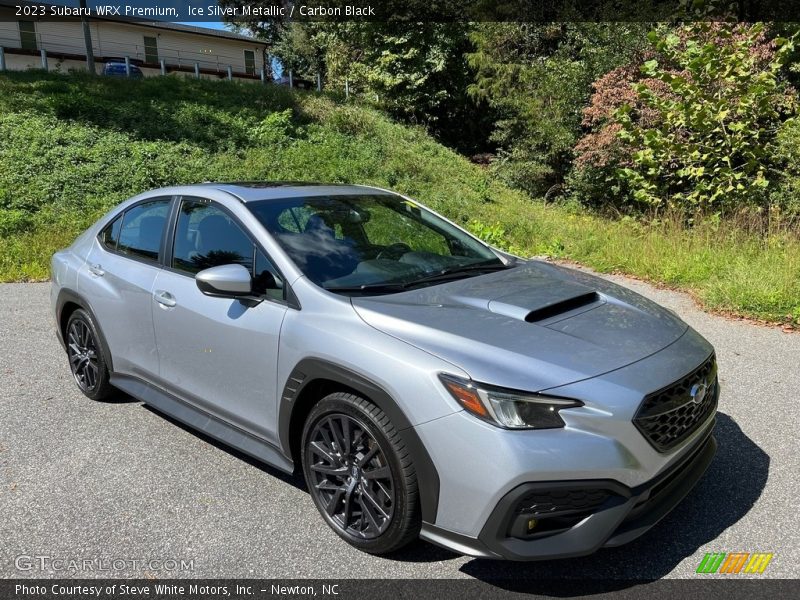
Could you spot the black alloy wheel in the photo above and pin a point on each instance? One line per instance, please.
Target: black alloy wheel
(351, 476)
(82, 351)
(86, 360)
(360, 475)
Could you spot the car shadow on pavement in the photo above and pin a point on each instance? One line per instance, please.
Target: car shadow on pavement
(120, 397)
(295, 479)
(731, 486)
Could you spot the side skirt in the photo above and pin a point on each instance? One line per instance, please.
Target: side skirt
(202, 421)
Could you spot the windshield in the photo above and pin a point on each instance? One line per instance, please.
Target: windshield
(365, 242)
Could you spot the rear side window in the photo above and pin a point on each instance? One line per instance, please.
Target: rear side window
(142, 228)
(110, 235)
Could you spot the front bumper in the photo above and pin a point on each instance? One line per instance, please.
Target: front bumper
(624, 513)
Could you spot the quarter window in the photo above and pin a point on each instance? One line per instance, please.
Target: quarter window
(142, 228)
(110, 234)
(266, 279)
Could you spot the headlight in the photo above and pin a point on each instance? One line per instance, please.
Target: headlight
(508, 408)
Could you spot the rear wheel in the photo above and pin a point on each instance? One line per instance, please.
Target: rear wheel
(360, 474)
(86, 360)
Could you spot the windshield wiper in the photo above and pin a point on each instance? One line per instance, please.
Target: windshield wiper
(440, 275)
(452, 272)
(370, 287)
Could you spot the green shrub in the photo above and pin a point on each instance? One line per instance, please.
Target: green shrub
(72, 146)
(717, 103)
(786, 197)
(13, 220)
(276, 128)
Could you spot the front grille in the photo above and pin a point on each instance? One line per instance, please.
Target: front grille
(670, 415)
(556, 502)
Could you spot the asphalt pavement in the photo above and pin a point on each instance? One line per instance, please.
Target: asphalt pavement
(118, 482)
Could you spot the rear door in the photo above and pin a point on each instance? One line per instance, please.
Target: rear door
(118, 280)
(219, 354)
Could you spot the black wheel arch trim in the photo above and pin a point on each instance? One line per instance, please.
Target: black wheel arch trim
(313, 369)
(66, 296)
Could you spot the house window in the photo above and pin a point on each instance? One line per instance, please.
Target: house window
(250, 62)
(150, 49)
(27, 35)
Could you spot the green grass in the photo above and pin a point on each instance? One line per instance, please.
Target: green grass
(72, 146)
(726, 269)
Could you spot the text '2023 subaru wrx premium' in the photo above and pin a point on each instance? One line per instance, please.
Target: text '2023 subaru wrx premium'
(425, 383)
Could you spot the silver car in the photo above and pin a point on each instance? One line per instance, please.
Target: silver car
(427, 384)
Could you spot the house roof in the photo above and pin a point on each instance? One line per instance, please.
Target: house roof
(190, 29)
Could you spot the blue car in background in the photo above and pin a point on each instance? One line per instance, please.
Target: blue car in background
(118, 69)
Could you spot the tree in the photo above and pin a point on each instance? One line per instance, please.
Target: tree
(301, 48)
(709, 143)
(271, 30)
(537, 77)
(417, 72)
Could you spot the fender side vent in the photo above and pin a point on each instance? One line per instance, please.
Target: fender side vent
(563, 306)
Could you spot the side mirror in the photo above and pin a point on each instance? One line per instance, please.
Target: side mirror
(265, 281)
(225, 281)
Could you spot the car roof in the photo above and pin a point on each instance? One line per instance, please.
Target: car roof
(251, 191)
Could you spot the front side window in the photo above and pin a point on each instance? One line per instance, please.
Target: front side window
(343, 242)
(142, 228)
(206, 236)
(27, 35)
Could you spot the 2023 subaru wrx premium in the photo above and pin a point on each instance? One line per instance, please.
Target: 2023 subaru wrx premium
(425, 383)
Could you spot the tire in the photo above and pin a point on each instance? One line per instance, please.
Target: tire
(360, 474)
(87, 361)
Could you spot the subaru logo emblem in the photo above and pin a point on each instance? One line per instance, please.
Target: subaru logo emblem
(698, 392)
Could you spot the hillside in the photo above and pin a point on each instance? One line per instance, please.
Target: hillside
(72, 146)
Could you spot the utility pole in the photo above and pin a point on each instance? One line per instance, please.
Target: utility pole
(87, 38)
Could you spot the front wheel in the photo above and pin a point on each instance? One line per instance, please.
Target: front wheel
(360, 474)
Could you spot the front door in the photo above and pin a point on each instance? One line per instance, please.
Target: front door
(219, 354)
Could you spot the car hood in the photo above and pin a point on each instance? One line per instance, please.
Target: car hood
(531, 327)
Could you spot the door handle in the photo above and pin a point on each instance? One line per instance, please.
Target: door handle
(165, 298)
(96, 270)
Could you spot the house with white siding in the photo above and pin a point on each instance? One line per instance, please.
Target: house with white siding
(155, 47)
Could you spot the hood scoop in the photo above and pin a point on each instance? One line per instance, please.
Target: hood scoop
(546, 304)
(564, 306)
